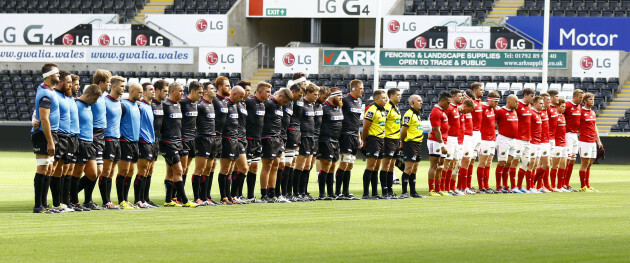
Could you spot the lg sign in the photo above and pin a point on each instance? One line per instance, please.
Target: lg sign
(460, 43)
(423, 42)
(504, 43)
(213, 58)
(143, 40)
(420, 42)
(68, 39)
(288, 59)
(103, 40)
(586, 63)
(501, 43)
(202, 25)
(394, 26)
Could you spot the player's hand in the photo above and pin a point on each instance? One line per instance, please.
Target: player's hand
(360, 143)
(51, 149)
(36, 124)
(600, 145)
(401, 145)
(444, 150)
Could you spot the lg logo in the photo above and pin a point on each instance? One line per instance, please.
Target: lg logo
(393, 26)
(68, 39)
(420, 42)
(103, 40)
(141, 40)
(586, 63)
(288, 59)
(212, 58)
(501, 43)
(201, 25)
(460, 43)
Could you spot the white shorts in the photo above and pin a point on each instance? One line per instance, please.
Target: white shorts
(505, 147)
(545, 149)
(588, 150)
(488, 148)
(572, 144)
(559, 152)
(476, 143)
(521, 148)
(468, 151)
(552, 143)
(460, 151)
(435, 149)
(451, 148)
(534, 151)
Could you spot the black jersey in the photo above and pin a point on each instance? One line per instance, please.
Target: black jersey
(352, 109)
(286, 119)
(220, 112)
(189, 119)
(231, 127)
(205, 118)
(272, 125)
(242, 119)
(332, 121)
(172, 126)
(296, 115)
(255, 117)
(317, 120)
(307, 119)
(158, 116)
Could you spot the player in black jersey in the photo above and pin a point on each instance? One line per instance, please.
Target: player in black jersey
(230, 144)
(291, 136)
(324, 92)
(307, 140)
(350, 139)
(328, 154)
(204, 145)
(161, 90)
(255, 119)
(241, 166)
(223, 87)
(189, 120)
(272, 142)
(171, 145)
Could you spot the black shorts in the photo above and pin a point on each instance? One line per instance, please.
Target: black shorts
(411, 151)
(391, 148)
(272, 147)
(229, 149)
(129, 151)
(40, 145)
(156, 150)
(205, 147)
(328, 151)
(374, 147)
(254, 149)
(293, 138)
(145, 150)
(61, 147)
(218, 146)
(188, 148)
(315, 145)
(349, 144)
(170, 151)
(86, 152)
(98, 142)
(73, 149)
(112, 149)
(307, 145)
(242, 146)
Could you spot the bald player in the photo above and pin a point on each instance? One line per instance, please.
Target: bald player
(437, 142)
(129, 136)
(507, 120)
(230, 144)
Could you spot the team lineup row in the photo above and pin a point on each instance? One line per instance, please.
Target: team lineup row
(92, 134)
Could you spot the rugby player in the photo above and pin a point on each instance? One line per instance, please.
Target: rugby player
(230, 144)
(536, 132)
(255, 106)
(291, 136)
(508, 121)
(161, 90)
(392, 143)
(545, 149)
(328, 153)
(145, 145)
(373, 135)
(223, 88)
(205, 148)
(411, 136)
(189, 120)
(318, 108)
(63, 147)
(589, 142)
(129, 136)
(74, 141)
(102, 78)
(350, 140)
(452, 142)
(477, 90)
(488, 142)
(465, 150)
(307, 140)
(241, 167)
(572, 115)
(524, 112)
(559, 161)
(552, 114)
(436, 143)
(111, 152)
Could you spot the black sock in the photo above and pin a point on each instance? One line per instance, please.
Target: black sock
(83, 182)
(45, 190)
(286, 176)
(169, 191)
(184, 176)
(108, 189)
(147, 186)
(305, 176)
(65, 194)
(321, 180)
(126, 188)
(330, 178)
(390, 182)
(89, 188)
(62, 181)
(137, 189)
(271, 192)
(241, 183)
(74, 189)
(405, 181)
(367, 174)
(222, 182)
(412, 183)
(346, 183)
(143, 184)
(203, 187)
(279, 179)
(120, 187)
(251, 184)
(195, 181)
(383, 179)
(263, 193)
(102, 188)
(234, 187)
(339, 180)
(181, 192)
(374, 180)
(296, 182)
(38, 183)
(209, 185)
(55, 190)
(228, 186)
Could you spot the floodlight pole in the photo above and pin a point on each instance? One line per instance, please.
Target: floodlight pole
(377, 46)
(545, 53)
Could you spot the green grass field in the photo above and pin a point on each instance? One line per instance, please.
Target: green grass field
(565, 227)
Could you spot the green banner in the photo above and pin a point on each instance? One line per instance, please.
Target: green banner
(446, 59)
(276, 12)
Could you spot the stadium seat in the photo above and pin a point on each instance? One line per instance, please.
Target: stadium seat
(516, 86)
(568, 87)
(541, 87)
(491, 86)
(555, 86)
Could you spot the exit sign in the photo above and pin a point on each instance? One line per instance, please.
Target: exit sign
(276, 12)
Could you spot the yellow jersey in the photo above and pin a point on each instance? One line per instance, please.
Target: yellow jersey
(378, 118)
(411, 120)
(392, 124)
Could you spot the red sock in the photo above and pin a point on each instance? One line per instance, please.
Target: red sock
(553, 177)
(443, 180)
(567, 175)
(463, 178)
(512, 173)
(450, 183)
(588, 177)
(431, 185)
(521, 174)
(469, 176)
(546, 179)
(561, 173)
(582, 178)
(506, 177)
(498, 173)
(486, 177)
(438, 184)
(539, 175)
(481, 171)
(528, 179)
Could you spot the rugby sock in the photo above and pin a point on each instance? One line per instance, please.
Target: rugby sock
(383, 179)
(450, 181)
(390, 182)
(222, 183)
(522, 174)
(561, 173)
(120, 181)
(45, 190)
(339, 176)
(102, 188)
(553, 174)
(330, 178)
(83, 182)
(431, 184)
(181, 192)
(55, 190)
(137, 189)
(505, 177)
(486, 177)
(405, 182)
(539, 177)
(271, 192)
(498, 173)
(108, 189)
(297, 181)
(168, 184)
(321, 180)
(278, 186)
(251, 184)
(184, 176)
(126, 187)
(469, 175)
(463, 176)
(567, 175)
(234, 187)
(546, 179)
(195, 181)
(263, 193)
(512, 173)
(412, 183)
(288, 181)
(437, 183)
(89, 188)
(147, 186)
(582, 179)
(480, 177)
(366, 182)
(203, 195)
(38, 183)
(304, 182)
(346, 183)
(241, 182)
(62, 181)
(143, 184)
(443, 179)
(74, 190)
(588, 178)
(374, 179)
(209, 185)
(65, 194)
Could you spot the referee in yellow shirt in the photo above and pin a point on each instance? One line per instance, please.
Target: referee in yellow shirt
(411, 136)
(392, 143)
(373, 135)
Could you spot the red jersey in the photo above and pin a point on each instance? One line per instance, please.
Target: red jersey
(524, 113)
(468, 120)
(588, 132)
(545, 126)
(561, 131)
(454, 122)
(552, 114)
(536, 128)
(477, 114)
(487, 123)
(572, 114)
(462, 127)
(438, 118)
(507, 121)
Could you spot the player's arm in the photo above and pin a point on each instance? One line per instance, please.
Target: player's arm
(403, 134)
(599, 140)
(44, 114)
(366, 129)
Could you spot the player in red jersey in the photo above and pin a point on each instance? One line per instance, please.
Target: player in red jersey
(572, 114)
(488, 144)
(452, 142)
(589, 142)
(524, 112)
(477, 89)
(559, 152)
(436, 143)
(507, 119)
(552, 114)
(545, 148)
(466, 147)
(534, 147)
